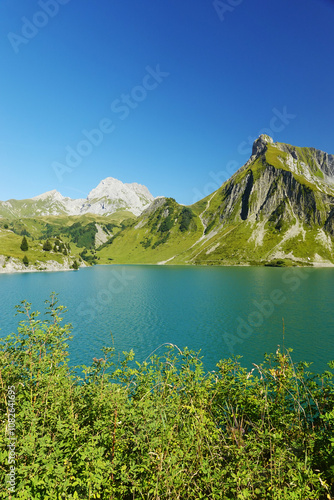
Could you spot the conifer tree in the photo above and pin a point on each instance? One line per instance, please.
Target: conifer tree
(24, 245)
(47, 246)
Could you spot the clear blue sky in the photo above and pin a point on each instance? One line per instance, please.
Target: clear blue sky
(227, 72)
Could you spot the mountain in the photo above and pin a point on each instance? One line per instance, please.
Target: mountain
(163, 229)
(112, 195)
(278, 209)
(108, 197)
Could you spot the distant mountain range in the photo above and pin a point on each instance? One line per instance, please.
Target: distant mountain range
(278, 209)
(108, 197)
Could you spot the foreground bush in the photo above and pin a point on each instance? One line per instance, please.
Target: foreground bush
(162, 429)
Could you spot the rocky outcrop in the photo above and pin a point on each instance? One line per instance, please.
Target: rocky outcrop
(12, 265)
(260, 145)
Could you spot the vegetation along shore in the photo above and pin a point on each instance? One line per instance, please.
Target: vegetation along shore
(161, 429)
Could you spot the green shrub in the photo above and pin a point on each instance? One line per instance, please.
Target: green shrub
(166, 224)
(146, 242)
(186, 217)
(161, 429)
(209, 226)
(161, 241)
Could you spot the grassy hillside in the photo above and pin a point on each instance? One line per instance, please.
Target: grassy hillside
(160, 233)
(75, 237)
(10, 247)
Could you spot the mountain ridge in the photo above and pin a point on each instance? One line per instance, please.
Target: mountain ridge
(109, 196)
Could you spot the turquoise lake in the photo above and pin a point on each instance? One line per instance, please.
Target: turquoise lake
(223, 311)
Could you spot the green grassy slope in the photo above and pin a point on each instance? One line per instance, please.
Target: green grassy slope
(10, 244)
(157, 235)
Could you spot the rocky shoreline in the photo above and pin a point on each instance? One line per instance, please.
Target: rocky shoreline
(9, 265)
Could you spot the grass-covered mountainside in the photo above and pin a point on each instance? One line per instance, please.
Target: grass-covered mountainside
(162, 230)
(56, 242)
(278, 209)
(161, 429)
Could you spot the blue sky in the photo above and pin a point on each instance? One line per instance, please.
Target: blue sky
(167, 94)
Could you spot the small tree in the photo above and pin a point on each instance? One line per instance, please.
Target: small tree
(25, 261)
(24, 245)
(47, 246)
(75, 265)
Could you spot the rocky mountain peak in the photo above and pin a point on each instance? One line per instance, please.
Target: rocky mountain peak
(113, 188)
(260, 145)
(54, 194)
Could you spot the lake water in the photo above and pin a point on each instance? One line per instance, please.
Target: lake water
(220, 310)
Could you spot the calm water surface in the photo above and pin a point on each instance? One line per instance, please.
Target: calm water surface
(220, 310)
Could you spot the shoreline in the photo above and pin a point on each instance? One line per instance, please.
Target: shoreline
(54, 266)
(51, 269)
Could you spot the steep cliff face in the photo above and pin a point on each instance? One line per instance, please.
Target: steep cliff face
(277, 181)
